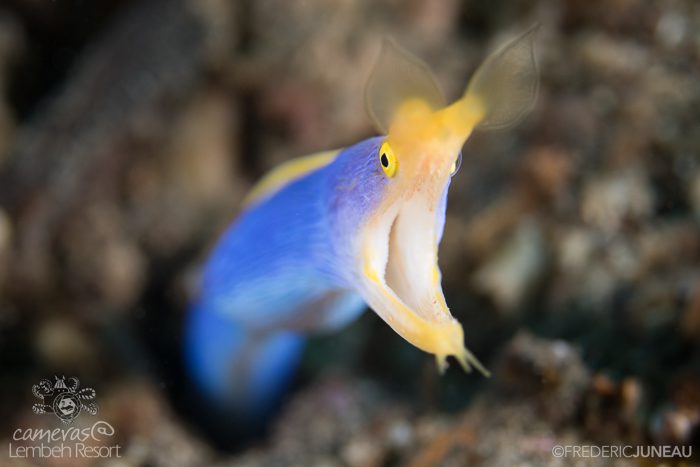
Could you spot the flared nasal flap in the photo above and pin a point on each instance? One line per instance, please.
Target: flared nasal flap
(506, 83)
(396, 78)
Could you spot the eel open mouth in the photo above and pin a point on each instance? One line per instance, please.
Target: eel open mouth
(411, 270)
(402, 279)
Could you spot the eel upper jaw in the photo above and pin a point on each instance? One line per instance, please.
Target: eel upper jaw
(400, 278)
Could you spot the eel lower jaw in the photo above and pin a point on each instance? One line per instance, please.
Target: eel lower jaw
(401, 281)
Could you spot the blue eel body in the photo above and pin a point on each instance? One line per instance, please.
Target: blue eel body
(280, 271)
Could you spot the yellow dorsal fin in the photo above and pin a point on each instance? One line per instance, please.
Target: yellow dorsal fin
(286, 173)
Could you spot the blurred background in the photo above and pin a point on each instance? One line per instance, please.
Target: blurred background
(130, 130)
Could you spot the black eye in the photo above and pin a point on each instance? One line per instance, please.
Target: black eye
(384, 160)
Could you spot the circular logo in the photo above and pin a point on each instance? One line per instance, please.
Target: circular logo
(66, 406)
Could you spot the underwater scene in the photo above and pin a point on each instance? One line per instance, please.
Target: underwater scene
(349, 233)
